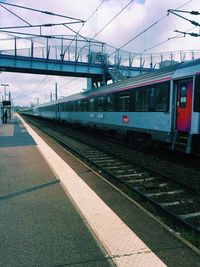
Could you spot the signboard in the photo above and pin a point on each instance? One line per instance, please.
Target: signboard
(6, 103)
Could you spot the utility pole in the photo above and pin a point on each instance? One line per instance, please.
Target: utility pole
(56, 91)
(9, 110)
(51, 96)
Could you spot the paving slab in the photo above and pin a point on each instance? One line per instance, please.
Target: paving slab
(40, 225)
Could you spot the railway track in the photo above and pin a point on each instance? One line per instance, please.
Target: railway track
(166, 195)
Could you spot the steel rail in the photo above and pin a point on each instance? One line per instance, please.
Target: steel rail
(99, 164)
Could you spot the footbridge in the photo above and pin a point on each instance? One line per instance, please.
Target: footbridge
(80, 57)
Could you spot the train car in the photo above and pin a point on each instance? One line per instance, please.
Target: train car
(161, 106)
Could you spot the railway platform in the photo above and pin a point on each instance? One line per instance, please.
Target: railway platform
(56, 212)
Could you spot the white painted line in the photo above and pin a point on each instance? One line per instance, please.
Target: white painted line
(121, 243)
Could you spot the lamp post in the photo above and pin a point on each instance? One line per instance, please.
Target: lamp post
(5, 85)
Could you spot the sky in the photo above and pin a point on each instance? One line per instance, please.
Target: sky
(107, 21)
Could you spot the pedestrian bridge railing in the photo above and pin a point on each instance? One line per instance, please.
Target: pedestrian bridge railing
(84, 50)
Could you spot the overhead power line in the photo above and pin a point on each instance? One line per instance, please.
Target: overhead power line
(15, 15)
(185, 11)
(113, 18)
(77, 34)
(41, 11)
(193, 34)
(73, 20)
(145, 30)
(36, 26)
(46, 36)
(195, 23)
(90, 16)
(136, 36)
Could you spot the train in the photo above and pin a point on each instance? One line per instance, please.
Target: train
(161, 107)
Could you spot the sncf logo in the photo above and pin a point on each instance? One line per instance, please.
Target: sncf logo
(125, 119)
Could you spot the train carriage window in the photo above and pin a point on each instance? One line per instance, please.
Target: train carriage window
(124, 102)
(71, 107)
(142, 99)
(110, 103)
(183, 98)
(85, 105)
(51, 108)
(100, 103)
(92, 104)
(159, 96)
(78, 105)
(64, 107)
(197, 94)
(67, 106)
(153, 97)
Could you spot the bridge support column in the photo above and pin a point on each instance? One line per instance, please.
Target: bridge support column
(95, 83)
(89, 84)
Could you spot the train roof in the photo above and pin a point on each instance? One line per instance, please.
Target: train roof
(154, 76)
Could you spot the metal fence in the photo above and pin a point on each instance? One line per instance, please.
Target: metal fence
(70, 48)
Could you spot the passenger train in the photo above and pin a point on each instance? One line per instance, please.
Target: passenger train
(160, 106)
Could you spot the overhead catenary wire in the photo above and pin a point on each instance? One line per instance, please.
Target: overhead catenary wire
(111, 19)
(15, 15)
(191, 21)
(37, 25)
(77, 34)
(69, 17)
(125, 44)
(45, 36)
(108, 23)
(41, 11)
(186, 11)
(136, 36)
(121, 10)
(160, 43)
(193, 34)
(146, 29)
(32, 26)
(90, 16)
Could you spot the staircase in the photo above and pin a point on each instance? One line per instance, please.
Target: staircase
(116, 74)
(182, 141)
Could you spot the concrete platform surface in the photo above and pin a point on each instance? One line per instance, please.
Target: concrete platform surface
(56, 212)
(40, 225)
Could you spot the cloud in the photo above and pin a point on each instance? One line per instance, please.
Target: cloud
(137, 17)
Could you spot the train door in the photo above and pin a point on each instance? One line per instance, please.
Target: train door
(184, 105)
